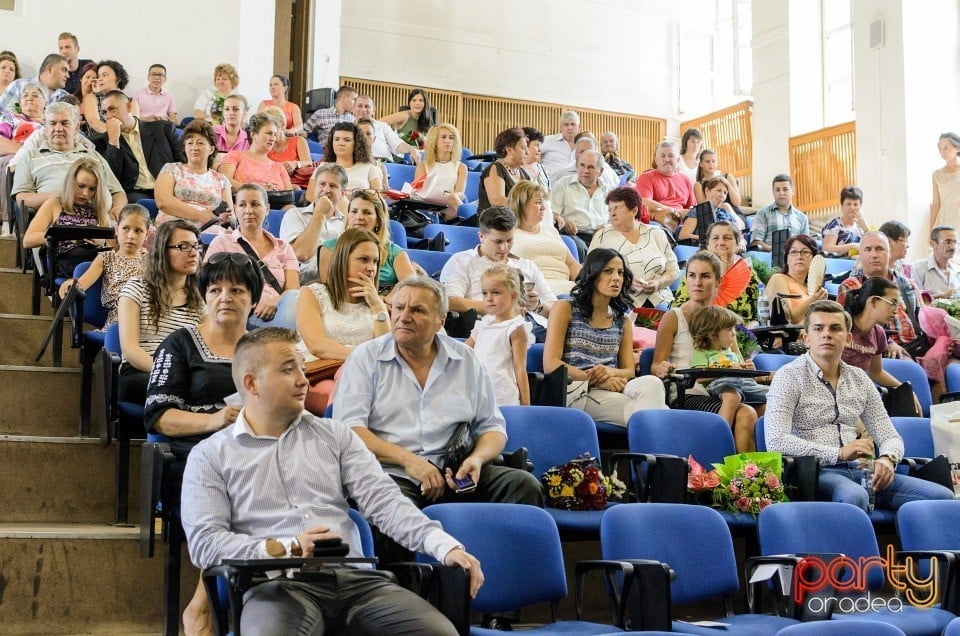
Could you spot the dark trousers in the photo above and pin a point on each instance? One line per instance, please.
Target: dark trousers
(339, 601)
(498, 484)
(132, 386)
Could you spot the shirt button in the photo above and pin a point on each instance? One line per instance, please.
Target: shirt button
(306, 516)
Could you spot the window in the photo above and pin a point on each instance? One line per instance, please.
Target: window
(837, 52)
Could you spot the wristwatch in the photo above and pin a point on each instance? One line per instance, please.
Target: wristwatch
(381, 316)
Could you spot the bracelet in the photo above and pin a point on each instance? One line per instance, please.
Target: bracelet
(539, 307)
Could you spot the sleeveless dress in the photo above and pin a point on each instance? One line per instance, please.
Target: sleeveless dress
(948, 185)
(548, 252)
(492, 346)
(441, 178)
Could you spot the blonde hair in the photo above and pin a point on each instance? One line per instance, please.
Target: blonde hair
(706, 323)
(521, 194)
(101, 198)
(382, 231)
(229, 71)
(275, 113)
(511, 278)
(430, 145)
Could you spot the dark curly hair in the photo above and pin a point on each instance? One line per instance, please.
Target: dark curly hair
(361, 147)
(582, 292)
(123, 78)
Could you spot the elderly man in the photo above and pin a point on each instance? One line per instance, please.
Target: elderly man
(386, 142)
(277, 480)
(586, 141)
(320, 123)
(136, 150)
(53, 75)
(779, 215)
(813, 408)
(609, 148)
(666, 192)
(556, 151)
(304, 229)
(938, 273)
(69, 48)
(41, 171)
(579, 201)
(405, 393)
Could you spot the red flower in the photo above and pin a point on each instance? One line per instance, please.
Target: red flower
(711, 480)
(743, 503)
(772, 481)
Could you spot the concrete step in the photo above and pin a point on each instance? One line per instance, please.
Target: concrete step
(8, 251)
(79, 579)
(27, 334)
(16, 292)
(40, 401)
(61, 480)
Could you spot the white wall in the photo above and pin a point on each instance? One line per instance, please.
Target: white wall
(174, 34)
(617, 55)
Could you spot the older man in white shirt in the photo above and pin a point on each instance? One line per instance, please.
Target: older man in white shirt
(556, 151)
(579, 201)
(386, 142)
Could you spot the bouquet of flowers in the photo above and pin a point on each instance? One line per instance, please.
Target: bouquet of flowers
(216, 108)
(747, 342)
(580, 485)
(949, 305)
(413, 139)
(749, 482)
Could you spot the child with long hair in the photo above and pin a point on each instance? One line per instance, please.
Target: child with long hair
(714, 332)
(119, 265)
(501, 337)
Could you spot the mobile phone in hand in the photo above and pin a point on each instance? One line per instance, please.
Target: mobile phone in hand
(464, 484)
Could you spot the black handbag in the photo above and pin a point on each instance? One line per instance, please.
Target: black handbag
(280, 198)
(899, 401)
(413, 221)
(458, 447)
(779, 315)
(937, 470)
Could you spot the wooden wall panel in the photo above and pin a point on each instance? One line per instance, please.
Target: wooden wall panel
(822, 163)
(729, 132)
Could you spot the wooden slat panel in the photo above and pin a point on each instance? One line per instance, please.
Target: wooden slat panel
(390, 97)
(484, 117)
(729, 132)
(822, 163)
(638, 135)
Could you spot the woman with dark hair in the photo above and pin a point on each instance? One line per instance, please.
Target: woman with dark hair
(349, 149)
(500, 176)
(707, 169)
(254, 165)
(193, 190)
(86, 85)
(186, 402)
(791, 283)
(9, 70)
(531, 164)
(690, 146)
(946, 184)
(154, 306)
(715, 204)
(645, 248)
(293, 118)
(111, 76)
(674, 348)
(418, 116)
(592, 336)
(843, 233)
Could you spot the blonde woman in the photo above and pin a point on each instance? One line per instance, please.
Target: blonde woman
(538, 241)
(443, 175)
(209, 105)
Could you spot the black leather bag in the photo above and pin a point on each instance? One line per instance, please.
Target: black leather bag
(459, 446)
(280, 198)
(899, 401)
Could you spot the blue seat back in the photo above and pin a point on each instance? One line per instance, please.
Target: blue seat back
(693, 540)
(818, 527)
(460, 237)
(836, 266)
(916, 434)
(706, 436)
(315, 147)
(553, 435)
(929, 525)
(94, 313)
(646, 360)
(111, 340)
(399, 173)
(535, 358)
(272, 222)
(366, 534)
(908, 370)
(570, 246)
(841, 628)
(953, 377)
(431, 262)
(771, 361)
(511, 541)
(467, 210)
(398, 234)
(472, 190)
(759, 433)
(151, 206)
(684, 252)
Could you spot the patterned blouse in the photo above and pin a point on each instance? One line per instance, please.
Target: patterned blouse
(586, 346)
(197, 190)
(117, 270)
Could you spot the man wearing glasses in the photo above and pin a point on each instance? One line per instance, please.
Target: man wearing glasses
(938, 274)
(155, 103)
(813, 407)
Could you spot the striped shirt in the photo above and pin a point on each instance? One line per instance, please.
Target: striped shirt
(152, 335)
(585, 346)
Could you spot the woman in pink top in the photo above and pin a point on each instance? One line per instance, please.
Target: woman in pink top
(253, 165)
(230, 134)
(276, 259)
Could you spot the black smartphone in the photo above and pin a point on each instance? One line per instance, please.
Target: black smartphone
(464, 484)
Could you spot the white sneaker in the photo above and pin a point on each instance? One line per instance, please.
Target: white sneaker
(5, 230)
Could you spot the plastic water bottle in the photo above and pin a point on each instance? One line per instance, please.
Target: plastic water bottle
(763, 308)
(866, 480)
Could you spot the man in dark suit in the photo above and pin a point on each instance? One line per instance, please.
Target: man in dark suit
(136, 150)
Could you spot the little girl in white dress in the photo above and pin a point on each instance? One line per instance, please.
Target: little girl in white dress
(501, 337)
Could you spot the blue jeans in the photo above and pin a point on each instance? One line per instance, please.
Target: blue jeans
(841, 483)
(750, 391)
(286, 315)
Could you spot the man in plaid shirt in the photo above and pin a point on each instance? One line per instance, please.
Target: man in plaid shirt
(324, 119)
(779, 215)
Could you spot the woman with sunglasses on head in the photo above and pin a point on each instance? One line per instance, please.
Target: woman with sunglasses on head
(277, 261)
(792, 281)
(154, 306)
(186, 401)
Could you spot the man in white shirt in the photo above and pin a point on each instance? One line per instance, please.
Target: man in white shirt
(586, 141)
(579, 201)
(556, 151)
(386, 141)
(938, 273)
(304, 229)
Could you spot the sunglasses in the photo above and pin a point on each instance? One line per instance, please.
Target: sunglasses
(234, 257)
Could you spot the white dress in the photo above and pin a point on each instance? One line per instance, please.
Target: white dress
(350, 326)
(492, 346)
(683, 168)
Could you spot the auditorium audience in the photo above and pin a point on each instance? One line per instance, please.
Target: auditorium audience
(790, 284)
(254, 166)
(665, 191)
(290, 150)
(304, 228)
(9, 70)
(365, 129)
(939, 273)
(293, 119)
(841, 234)
(586, 142)
(336, 316)
(579, 201)
(209, 105)
(556, 151)
(499, 177)
(193, 190)
(610, 148)
(779, 215)
(346, 147)
(154, 306)
(186, 402)
(708, 169)
(231, 134)
(898, 237)
(318, 125)
(444, 176)
(387, 144)
(111, 76)
(417, 116)
(15, 128)
(645, 249)
(539, 242)
(53, 75)
(156, 104)
(69, 47)
(531, 162)
(87, 86)
(714, 206)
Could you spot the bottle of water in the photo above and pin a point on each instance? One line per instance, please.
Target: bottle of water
(763, 307)
(866, 480)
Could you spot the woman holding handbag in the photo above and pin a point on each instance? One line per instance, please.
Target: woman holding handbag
(276, 259)
(335, 316)
(871, 307)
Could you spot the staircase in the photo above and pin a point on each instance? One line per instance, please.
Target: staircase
(64, 568)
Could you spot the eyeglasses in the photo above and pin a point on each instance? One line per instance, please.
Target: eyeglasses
(185, 247)
(158, 74)
(889, 301)
(947, 241)
(234, 257)
(804, 253)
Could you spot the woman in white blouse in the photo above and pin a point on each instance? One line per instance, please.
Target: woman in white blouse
(348, 148)
(645, 248)
(539, 242)
(443, 175)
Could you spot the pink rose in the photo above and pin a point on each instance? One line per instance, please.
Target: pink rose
(733, 490)
(765, 502)
(750, 470)
(743, 503)
(711, 479)
(772, 481)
